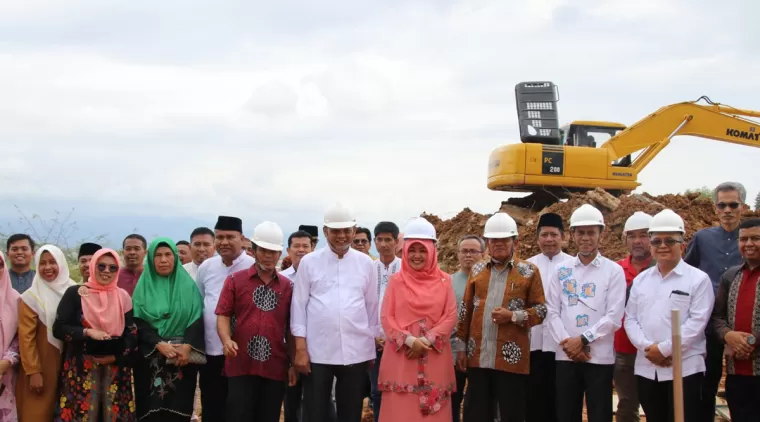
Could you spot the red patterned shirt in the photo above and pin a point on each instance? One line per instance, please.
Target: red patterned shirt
(262, 320)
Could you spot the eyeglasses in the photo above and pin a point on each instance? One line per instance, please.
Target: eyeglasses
(360, 241)
(470, 251)
(723, 205)
(668, 242)
(112, 268)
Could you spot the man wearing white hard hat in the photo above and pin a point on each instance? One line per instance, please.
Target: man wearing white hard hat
(585, 299)
(257, 361)
(670, 284)
(503, 299)
(636, 237)
(542, 390)
(334, 319)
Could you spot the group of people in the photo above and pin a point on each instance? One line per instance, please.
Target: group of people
(504, 337)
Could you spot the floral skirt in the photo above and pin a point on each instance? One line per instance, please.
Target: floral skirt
(98, 393)
(405, 407)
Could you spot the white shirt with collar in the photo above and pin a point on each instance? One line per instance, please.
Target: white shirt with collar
(192, 269)
(289, 273)
(335, 307)
(541, 337)
(210, 280)
(586, 300)
(384, 273)
(648, 319)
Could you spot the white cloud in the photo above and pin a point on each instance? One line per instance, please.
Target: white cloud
(208, 108)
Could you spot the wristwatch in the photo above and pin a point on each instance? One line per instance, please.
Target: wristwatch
(751, 340)
(584, 340)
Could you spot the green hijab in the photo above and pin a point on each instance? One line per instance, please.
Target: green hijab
(169, 304)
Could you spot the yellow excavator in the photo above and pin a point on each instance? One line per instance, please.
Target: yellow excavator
(555, 161)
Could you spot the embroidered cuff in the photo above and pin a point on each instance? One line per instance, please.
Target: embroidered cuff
(519, 316)
(409, 341)
(436, 343)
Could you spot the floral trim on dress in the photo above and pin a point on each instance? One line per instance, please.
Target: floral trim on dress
(432, 397)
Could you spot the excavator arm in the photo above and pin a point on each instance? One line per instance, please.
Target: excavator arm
(653, 133)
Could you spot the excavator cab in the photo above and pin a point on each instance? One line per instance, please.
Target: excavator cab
(592, 134)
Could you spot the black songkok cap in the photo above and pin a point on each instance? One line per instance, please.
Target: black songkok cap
(87, 249)
(312, 230)
(229, 223)
(550, 219)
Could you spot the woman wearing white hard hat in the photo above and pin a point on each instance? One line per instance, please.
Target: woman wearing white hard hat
(671, 284)
(418, 315)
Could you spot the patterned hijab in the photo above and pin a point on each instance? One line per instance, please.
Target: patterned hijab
(169, 304)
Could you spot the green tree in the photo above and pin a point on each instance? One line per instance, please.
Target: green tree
(704, 192)
(757, 202)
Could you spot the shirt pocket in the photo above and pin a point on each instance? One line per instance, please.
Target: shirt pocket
(680, 302)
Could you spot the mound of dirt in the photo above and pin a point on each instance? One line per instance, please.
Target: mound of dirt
(697, 212)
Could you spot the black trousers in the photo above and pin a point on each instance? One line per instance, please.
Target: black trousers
(456, 398)
(213, 389)
(541, 388)
(292, 403)
(657, 398)
(573, 380)
(488, 386)
(743, 397)
(711, 380)
(349, 391)
(254, 399)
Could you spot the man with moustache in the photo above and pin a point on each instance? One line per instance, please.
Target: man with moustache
(636, 237)
(231, 258)
(541, 382)
(714, 250)
(248, 246)
(470, 249)
(86, 251)
(201, 248)
(670, 284)
(585, 300)
(259, 373)
(334, 319)
(134, 248)
(19, 251)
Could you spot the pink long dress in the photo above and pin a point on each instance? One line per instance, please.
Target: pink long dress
(417, 389)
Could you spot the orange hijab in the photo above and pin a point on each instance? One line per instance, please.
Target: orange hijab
(104, 305)
(423, 292)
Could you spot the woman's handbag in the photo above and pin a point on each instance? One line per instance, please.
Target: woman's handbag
(196, 357)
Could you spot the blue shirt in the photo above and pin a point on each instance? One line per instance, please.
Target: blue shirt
(713, 250)
(21, 282)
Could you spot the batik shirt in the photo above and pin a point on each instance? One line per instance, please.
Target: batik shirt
(505, 347)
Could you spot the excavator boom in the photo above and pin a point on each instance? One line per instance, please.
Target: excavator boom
(569, 161)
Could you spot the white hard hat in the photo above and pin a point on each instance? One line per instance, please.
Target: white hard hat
(667, 221)
(419, 228)
(339, 216)
(268, 235)
(638, 221)
(586, 215)
(500, 226)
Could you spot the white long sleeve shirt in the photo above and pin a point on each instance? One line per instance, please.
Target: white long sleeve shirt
(210, 280)
(648, 319)
(586, 300)
(540, 336)
(192, 269)
(335, 307)
(383, 275)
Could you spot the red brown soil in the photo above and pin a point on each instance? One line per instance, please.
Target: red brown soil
(697, 212)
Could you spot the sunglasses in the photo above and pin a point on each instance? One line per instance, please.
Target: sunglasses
(668, 242)
(112, 268)
(360, 241)
(723, 205)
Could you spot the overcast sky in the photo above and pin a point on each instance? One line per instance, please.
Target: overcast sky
(273, 110)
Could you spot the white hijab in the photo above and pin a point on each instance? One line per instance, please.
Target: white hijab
(43, 297)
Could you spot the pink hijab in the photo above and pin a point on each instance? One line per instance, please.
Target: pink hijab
(9, 311)
(104, 306)
(423, 292)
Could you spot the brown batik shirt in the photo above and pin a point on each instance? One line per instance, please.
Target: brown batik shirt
(504, 347)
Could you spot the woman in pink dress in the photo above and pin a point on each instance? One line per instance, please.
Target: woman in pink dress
(8, 344)
(418, 314)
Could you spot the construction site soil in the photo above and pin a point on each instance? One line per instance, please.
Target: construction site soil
(697, 212)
